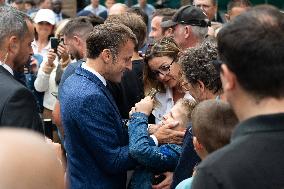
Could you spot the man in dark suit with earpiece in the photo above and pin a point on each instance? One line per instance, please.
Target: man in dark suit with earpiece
(17, 104)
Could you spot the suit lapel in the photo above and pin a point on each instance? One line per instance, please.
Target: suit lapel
(97, 81)
(6, 72)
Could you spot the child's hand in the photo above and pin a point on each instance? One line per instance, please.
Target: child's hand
(144, 106)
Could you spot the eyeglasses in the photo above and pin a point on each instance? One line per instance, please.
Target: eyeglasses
(163, 70)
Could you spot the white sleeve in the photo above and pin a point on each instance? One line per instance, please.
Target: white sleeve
(42, 81)
(155, 139)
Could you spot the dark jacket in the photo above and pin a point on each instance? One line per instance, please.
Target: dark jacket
(188, 160)
(130, 90)
(17, 104)
(253, 159)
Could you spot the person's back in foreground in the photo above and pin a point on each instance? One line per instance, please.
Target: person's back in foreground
(251, 49)
(28, 162)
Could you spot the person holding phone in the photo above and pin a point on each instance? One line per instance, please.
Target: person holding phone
(45, 81)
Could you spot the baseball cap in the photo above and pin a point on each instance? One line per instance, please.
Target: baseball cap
(45, 15)
(189, 15)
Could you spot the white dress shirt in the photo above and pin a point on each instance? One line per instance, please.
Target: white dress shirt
(7, 68)
(84, 66)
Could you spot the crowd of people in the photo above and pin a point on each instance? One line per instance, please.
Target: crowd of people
(139, 98)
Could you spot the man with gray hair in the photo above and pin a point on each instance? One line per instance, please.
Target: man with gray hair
(17, 104)
(190, 25)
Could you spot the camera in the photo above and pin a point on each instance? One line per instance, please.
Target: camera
(54, 42)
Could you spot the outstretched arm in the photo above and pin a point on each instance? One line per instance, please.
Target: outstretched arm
(158, 158)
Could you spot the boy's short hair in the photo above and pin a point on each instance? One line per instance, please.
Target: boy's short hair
(212, 124)
(238, 3)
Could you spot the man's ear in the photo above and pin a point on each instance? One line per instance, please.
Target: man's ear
(228, 78)
(169, 32)
(196, 144)
(77, 40)
(201, 86)
(227, 17)
(106, 55)
(187, 31)
(13, 44)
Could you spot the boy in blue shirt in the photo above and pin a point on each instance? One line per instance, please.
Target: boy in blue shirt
(154, 159)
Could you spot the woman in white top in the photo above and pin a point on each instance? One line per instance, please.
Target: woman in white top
(164, 73)
(45, 81)
(44, 29)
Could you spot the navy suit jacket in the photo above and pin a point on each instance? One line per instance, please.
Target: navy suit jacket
(96, 140)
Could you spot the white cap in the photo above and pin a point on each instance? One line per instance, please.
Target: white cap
(45, 15)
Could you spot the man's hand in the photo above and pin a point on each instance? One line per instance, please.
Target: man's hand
(166, 183)
(152, 128)
(63, 54)
(165, 134)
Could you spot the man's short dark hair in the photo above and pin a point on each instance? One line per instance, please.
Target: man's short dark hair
(139, 12)
(164, 12)
(81, 26)
(197, 64)
(135, 23)
(108, 36)
(214, 2)
(252, 47)
(31, 2)
(212, 123)
(238, 3)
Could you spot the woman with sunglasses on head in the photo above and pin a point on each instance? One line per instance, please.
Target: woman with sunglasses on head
(163, 73)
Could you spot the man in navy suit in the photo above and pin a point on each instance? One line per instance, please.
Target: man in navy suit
(96, 140)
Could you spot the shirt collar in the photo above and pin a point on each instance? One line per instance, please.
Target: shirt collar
(8, 68)
(261, 123)
(84, 66)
